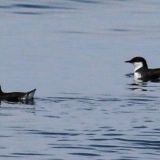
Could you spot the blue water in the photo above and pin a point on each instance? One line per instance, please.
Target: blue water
(87, 105)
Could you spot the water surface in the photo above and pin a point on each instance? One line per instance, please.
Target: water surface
(87, 105)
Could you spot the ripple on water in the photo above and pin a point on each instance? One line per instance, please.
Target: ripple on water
(87, 1)
(82, 99)
(45, 133)
(104, 139)
(141, 143)
(86, 154)
(35, 8)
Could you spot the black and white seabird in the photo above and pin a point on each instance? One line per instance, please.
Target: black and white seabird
(17, 96)
(141, 70)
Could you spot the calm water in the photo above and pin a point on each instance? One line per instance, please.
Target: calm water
(87, 105)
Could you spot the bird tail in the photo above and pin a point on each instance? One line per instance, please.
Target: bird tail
(29, 95)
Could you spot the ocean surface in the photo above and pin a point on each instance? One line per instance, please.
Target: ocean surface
(87, 105)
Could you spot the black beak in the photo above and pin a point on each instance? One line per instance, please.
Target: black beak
(128, 61)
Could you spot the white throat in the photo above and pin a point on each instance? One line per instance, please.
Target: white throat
(137, 75)
(137, 65)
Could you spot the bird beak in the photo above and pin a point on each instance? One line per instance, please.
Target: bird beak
(128, 61)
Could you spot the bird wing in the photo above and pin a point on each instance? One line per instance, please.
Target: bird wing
(154, 73)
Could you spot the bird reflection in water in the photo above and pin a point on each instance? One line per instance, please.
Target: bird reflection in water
(139, 84)
(26, 102)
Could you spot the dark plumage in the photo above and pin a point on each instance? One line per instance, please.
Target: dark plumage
(141, 70)
(17, 96)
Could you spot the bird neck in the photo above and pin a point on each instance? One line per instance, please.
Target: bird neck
(137, 66)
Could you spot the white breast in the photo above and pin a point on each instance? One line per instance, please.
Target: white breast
(137, 76)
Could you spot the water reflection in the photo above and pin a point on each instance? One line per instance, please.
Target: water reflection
(150, 86)
(138, 86)
(26, 102)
